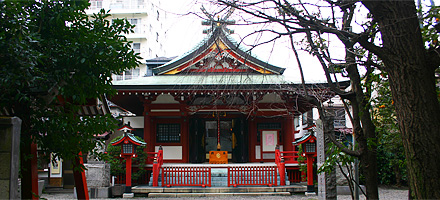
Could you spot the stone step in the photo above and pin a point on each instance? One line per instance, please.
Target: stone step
(176, 195)
(223, 180)
(240, 189)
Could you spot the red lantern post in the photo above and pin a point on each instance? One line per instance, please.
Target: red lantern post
(128, 145)
(309, 147)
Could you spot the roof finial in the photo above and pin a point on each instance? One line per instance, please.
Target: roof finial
(219, 22)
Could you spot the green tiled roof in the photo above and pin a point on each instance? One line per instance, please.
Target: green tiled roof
(190, 80)
(132, 137)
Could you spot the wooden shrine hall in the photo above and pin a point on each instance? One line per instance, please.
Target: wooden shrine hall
(215, 98)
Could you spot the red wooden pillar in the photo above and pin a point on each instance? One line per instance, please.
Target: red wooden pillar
(29, 181)
(34, 170)
(128, 174)
(147, 128)
(252, 139)
(310, 185)
(80, 178)
(289, 133)
(184, 138)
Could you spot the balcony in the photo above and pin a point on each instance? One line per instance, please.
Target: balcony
(124, 77)
(139, 33)
(118, 6)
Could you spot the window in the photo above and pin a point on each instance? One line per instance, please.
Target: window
(149, 72)
(157, 15)
(136, 72)
(140, 3)
(128, 75)
(307, 118)
(339, 118)
(137, 23)
(304, 118)
(131, 73)
(96, 4)
(136, 47)
(127, 148)
(267, 126)
(168, 133)
(157, 37)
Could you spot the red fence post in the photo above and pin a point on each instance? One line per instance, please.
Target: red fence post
(277, 155)
(80, 178)
(155, 173)
(282, 169)
(160, 156)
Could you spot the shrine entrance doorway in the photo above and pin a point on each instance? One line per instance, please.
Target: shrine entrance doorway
(219, 132)
(204, 136)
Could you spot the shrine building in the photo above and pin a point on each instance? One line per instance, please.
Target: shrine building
(215, 97)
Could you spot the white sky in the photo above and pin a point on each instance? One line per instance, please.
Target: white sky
(185, 31)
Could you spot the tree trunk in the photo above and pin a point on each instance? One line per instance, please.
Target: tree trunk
(417, 110)
(364, 129)
(412, 85)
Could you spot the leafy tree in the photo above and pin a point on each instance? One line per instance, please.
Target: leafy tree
(54, 58)
(391, 161)
(345, 165)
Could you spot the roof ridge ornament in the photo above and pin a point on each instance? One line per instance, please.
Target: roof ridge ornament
(219, 22)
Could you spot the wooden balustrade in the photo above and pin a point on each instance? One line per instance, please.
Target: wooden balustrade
(186, 176)
(252, 175)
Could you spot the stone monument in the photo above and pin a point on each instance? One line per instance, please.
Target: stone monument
(10, 128)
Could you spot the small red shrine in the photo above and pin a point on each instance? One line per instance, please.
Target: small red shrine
(128, 145)
(308, 146)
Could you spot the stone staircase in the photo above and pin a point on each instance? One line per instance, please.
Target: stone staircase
(219, 187)
(170, 192)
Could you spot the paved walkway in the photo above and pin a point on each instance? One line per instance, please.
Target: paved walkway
(388, 193)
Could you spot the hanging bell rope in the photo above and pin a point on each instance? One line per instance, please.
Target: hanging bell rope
(218, 132)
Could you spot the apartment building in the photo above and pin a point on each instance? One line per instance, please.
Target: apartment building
(149, 34)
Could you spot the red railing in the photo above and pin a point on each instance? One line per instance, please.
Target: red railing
(144, 179)
(157, 165)
(287, 156)
(186, 176)
(279, 161)
(283, 157)
(295, 176)
(252, 175)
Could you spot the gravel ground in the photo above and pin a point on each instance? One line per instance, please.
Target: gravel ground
(389, 193)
